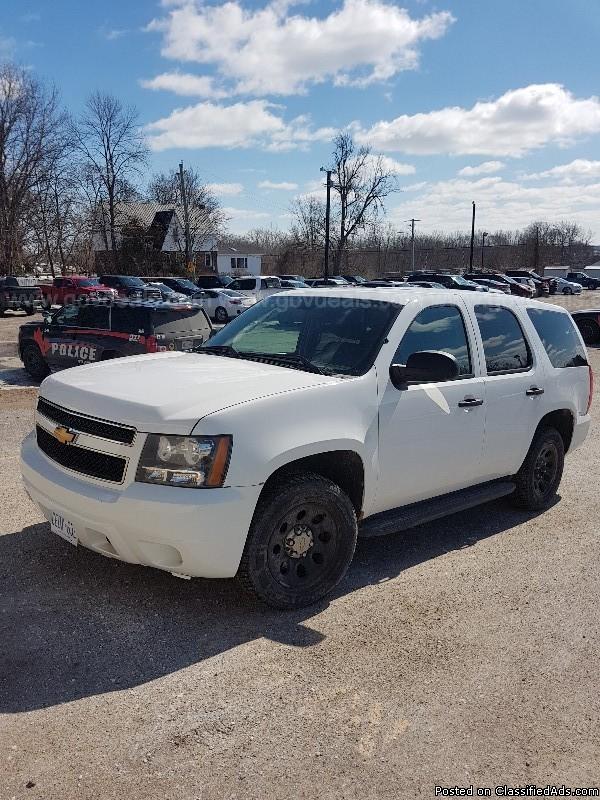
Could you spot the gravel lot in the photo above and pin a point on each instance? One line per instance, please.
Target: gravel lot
(461, 652)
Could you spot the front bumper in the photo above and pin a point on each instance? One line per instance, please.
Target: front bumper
(197, 532)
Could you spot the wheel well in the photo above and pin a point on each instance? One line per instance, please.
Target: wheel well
(343, 467)
(563, 422)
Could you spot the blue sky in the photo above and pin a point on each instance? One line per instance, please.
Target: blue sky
(469, 99)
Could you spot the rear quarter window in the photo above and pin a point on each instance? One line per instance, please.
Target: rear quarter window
(173, 321)
(130, 319)
(559, 337)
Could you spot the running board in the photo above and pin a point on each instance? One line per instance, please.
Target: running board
(400, 519)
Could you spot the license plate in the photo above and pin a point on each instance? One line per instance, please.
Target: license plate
(63, 527)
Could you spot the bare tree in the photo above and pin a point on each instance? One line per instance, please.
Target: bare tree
(32, 138)
(113, 151)
(361, 182)
(205, 213)
(308, 228)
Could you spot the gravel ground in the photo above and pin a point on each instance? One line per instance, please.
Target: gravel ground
(461, 652)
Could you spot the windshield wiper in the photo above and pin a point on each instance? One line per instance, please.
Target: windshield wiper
(293, 359)
(218, 350)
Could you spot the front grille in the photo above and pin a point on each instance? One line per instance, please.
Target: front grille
(79, 459)
(95, 427)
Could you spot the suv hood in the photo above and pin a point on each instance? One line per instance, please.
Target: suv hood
(170, 392)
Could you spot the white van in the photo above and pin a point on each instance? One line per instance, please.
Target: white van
(257, 286)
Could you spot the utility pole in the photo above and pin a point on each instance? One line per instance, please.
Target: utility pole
(186, 221)
(327, 218)
(472, 239)
(536, 252)
(483, 235)
(412, 242)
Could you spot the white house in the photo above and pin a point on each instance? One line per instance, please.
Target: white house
(238, 262)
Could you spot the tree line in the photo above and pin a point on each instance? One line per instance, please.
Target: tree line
(64, 179)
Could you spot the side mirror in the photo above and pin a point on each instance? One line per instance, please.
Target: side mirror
(425, 366)
(47, 316)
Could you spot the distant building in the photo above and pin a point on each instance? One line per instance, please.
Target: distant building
(238, 262)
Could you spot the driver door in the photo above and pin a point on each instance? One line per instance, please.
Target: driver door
(431, 434)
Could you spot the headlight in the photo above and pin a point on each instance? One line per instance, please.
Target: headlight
(195, 462)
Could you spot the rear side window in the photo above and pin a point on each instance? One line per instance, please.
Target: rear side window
(172, 321)
(129, 319)
(437, 328)
(504, 344)
(270, 283)
(559, 337)
(94, 317)
(244, 283)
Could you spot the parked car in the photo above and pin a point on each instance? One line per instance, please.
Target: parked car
(383, 284)
(15, 297)
(317, 283)
(130, 287)
(182, 286)
(567, 287)
(516, 288)
(495, 286)
(219, 281)
(167, 293)
(64, 290)
(577, 276)
(541, 285)
(446, 279)
(83, 334)
(224, 304)
(188, 462)
(257, 286)
(588, 322)
(300, 278)
(357, 280)
(425, 284)
(289, 284)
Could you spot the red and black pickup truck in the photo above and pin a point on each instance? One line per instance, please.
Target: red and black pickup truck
(15, 297)
(83, 333)
(76, 287)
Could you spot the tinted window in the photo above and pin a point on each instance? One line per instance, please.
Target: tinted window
(67, 316)
(504, 345)
(559, 338)
(244, 283)
(92, 316)
(340, 337)
(437, 328)
(270, 283)
(172, 321)
(130, 319)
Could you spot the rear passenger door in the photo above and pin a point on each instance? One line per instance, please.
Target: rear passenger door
(514, 389)
(431, 435)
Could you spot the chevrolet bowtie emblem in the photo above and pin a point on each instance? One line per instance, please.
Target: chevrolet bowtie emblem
(64, 435)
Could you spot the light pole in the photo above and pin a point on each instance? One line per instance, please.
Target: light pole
(327, 215)
(483, 235)
(412, 242)
(472, 239)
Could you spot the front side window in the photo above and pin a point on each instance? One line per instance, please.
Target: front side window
(559, 337)
(437, 328)
(67, 317)
(504, 344)
(320, 334)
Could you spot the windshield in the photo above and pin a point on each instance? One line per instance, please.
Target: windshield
(461, 280)
(87, 281)
(127, 281)
(183, 282)
(162, 286)
(231, 293)
(332, 335)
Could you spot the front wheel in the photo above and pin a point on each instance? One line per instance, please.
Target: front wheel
(589, 330)
(540, 475)
(29, 310)
(221, 315)
(34, 363)
(301, 541)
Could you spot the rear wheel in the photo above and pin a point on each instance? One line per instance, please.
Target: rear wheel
(567, 290)
(221, 315)
(540, 475)
(29, 310)
(300, 543)
(589, 331)
(34, 363)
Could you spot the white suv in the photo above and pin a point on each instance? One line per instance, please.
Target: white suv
(310, 419)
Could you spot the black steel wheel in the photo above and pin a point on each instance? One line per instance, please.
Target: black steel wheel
(301, 542)
(34, 363)
(589, 331)
(221, 315)
(539, 478)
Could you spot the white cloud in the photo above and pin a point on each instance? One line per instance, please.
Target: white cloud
(501, 204)
(238, 125)
(185, 84)
(270, 50)
(577, 170)
(486, 168)
(111, 34)
(517, 122)
(284, 186)
(229, 189)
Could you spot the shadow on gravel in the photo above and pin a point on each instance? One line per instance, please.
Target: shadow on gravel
(74, 623)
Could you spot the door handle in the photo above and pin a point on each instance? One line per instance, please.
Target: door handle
(533, 391)
(469, 402)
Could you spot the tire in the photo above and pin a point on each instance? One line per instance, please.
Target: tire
(540, 475)
(221, 315)
(589, 331)
(29, 310)
(566, 290)
(34, 363)
(301, 542)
